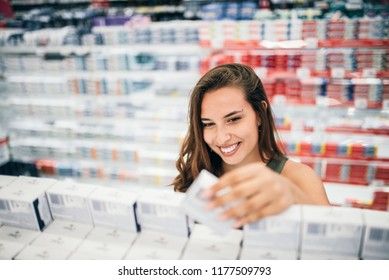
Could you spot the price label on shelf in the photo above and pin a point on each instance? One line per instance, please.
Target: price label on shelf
(369, 73)
(360, 103)
(338, 73)
(311, 43)
(261, 72)
(303, 73)
(385, 104)
(279, 99)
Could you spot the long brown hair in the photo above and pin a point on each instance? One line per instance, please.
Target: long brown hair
(195, 154)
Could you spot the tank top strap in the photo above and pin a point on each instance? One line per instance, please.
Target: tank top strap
(277, 164)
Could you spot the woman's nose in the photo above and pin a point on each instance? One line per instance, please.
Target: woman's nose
(223, 135)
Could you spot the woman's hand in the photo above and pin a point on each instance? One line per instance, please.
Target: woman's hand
(250, 193)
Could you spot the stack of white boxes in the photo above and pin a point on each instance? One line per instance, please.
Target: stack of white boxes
(164, 227)
(80, 221)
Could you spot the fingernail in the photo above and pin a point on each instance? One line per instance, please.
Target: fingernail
(223, 217)
(210, 205)
(205, 194)
(238, 224)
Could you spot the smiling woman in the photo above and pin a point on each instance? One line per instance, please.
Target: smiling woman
(232, 135)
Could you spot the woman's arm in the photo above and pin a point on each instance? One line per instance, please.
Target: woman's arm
(254, 191)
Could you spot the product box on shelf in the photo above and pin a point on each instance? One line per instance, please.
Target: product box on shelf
(273, 237)
(156, 246)
(33, 252)
(70, 201)
(69, 229)
(13, 240)
(24, 203)
(114, 208)
(5, 180)
(56, 242)
(8, 250)
(376, 238)
(159, 211)
(205, 243)
(104, 243)
(331, 232)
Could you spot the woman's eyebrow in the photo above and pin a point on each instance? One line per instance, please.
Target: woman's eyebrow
(226, 116)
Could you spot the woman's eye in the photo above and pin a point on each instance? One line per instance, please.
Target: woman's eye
(207, 124)
(234, 119)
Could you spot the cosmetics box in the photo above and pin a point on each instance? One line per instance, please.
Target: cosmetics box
(24, 203)
(33, 252)
(69, 229)
(330, 232)
(375, 245)
(204, 243)
(70, 201)
(114, 208)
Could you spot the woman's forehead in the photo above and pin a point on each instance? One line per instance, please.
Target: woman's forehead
(224, 101)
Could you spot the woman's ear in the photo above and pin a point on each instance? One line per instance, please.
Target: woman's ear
(264, 104)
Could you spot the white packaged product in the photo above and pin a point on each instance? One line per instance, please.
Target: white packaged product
(70, 201)
(24, 203)
(195, 206)
(376, 238)
(114, 208)
(156, 246)
(273, 237)
(205, 243)
(159, 211)
(331, 232)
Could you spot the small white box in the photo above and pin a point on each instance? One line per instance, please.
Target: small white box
(279, 232)
(257, 253)
(32, 252)
(57, 242)
(69, 229)
(8, 250)
(375, 244)
(92, 250)
(112, 236)
(331, 232)
(69, 201)
(159, 211)
(114, 208)
(24, 203)
(205, 243)
(156, 246)
(18, 235)
(6, 180)
(195, 206)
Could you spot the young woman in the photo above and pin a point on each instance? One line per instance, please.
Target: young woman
(232, 134)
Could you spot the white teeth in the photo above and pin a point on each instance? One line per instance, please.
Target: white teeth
(229, 149)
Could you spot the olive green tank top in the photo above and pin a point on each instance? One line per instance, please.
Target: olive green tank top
(277, 164)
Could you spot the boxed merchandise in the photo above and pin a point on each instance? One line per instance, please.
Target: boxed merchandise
(376, 239)
(70, 201)
(275, 237)
(195, 206)
(57, 242)
(331, 232)
(18, 235)
(91, 250)
(69, 229)
(24, 203)
(156, 246)
(6, 180)
(204, 243)
(8, 250)
(114, 208)
(32, 252)
(104, 243)
(159, 211)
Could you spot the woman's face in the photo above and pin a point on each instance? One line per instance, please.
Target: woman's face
(230, 127)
